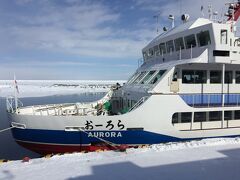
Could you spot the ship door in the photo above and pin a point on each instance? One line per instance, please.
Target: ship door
(174, 85)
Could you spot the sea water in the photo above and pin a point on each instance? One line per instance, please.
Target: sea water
(9, 149)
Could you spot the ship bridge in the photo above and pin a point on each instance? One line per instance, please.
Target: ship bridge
(189, 40)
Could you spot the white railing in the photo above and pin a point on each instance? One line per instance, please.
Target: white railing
(11, 102)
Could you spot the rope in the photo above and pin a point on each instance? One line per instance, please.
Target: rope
(107, 142)
(7, 129)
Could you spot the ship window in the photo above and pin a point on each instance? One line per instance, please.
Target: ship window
(175, 76)
(215, 77)
(162, 48)
(186, 117)
(237, 77)
(150, 52)
(147, 77)
(203, 38)
(215, 115)
(170, 46)
(140, 76)
(179, 44)
(190, 41)
(228, 77)
(133, 78)
(223, 36)
(157, 77)
(237, 114)
(145, 55)
(221, 53)
(200, 76)
(227, 115)
(156, 50)
(187, 76)
(175, 118)
(191, 76)
(199, 116)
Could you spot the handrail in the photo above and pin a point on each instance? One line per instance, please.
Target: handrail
(10, 101)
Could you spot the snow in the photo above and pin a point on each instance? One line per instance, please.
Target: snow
(39, 88)
(205, 159)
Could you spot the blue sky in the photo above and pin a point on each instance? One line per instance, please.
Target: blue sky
(82, 39)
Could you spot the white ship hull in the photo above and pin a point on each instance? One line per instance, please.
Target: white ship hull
(150, 123)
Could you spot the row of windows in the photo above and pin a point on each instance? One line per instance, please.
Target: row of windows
(200, 76)
(186, 117)
(147, 77)
(224, 39)
(179, 43)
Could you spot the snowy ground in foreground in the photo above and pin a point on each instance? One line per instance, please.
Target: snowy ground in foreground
(38, 88)
(205, 159)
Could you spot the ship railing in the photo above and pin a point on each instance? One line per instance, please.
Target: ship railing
(141, 101)
(63, 110)
(12, 105)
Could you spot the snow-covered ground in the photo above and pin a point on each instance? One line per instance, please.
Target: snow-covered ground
(38, 88)
(205, 159)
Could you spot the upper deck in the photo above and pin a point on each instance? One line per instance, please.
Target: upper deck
(189, 40)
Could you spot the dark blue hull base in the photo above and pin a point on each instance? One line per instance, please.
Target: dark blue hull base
(54, 141)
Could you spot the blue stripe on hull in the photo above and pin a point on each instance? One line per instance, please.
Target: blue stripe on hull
(210, 99)
(75, 137)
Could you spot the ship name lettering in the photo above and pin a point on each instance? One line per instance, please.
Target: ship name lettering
(104, 134)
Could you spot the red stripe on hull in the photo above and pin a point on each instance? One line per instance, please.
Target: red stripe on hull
(52, 148)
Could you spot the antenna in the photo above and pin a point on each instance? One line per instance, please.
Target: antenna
(221, 20)
(171, 17)
(202, 11)
(157, 21)
(215, 13)
(210, 12)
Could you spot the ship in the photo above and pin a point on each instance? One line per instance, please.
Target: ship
(187, 88)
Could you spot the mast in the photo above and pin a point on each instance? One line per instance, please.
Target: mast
(233, 11)
(15, 93)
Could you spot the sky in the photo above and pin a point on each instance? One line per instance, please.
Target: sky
(83, 39)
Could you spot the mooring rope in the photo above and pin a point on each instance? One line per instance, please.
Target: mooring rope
(3, 130)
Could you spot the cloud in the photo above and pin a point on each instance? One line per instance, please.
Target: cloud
(22, 2)
(80, 28)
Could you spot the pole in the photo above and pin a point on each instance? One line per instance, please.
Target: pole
(223, 100)
(191, 51)
(15, 93)
(180, 53)
(223, 78)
